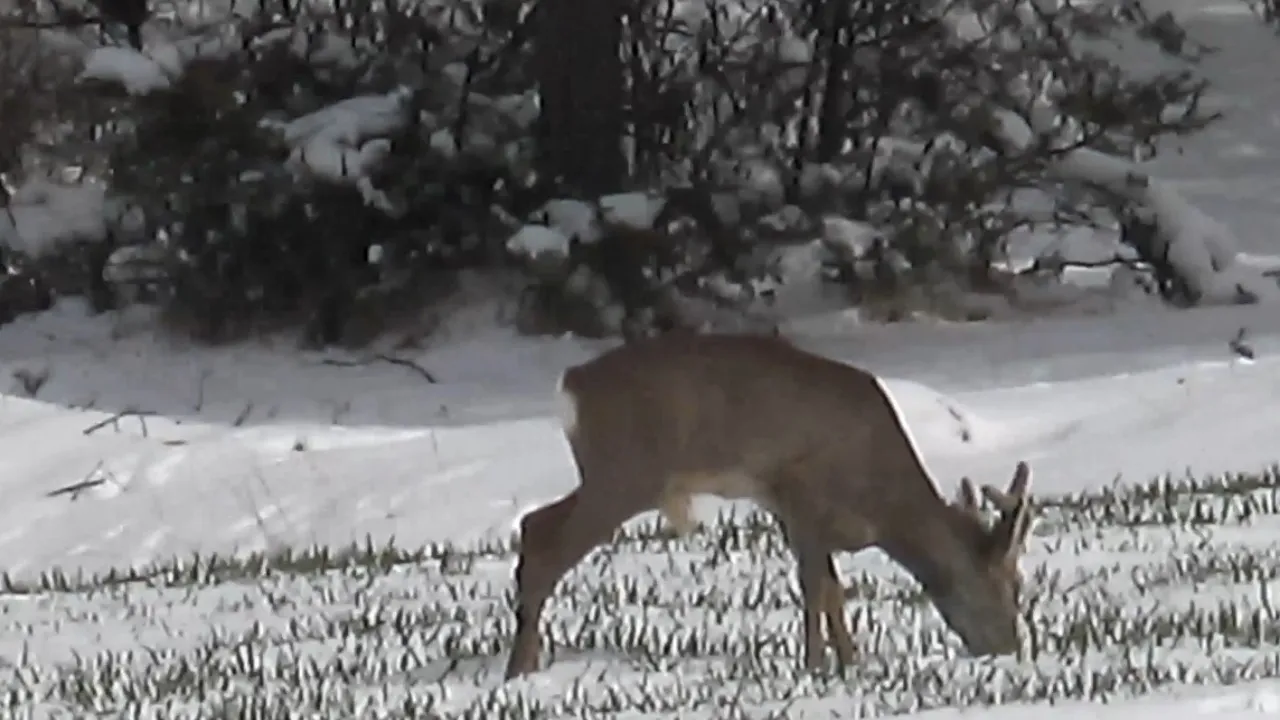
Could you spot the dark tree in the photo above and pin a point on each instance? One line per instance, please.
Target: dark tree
(129, 13)
(580, 78)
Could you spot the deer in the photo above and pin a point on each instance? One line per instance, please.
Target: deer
(814, 442)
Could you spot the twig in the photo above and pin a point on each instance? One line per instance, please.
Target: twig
(340, 411)
(74, 489)
(1240, 346)
(402, 362)
(114, 421)
(204, 377)
(344, 363)
(244, 415)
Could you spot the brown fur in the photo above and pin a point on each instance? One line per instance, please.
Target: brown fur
(815, 442)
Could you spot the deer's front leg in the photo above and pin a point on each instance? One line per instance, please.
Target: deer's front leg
(821, 593)
(833, 607)
(812, 563)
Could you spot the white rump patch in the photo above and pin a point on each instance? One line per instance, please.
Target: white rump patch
(678, 494)
(566, 407)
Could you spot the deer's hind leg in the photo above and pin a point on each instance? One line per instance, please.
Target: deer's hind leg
(555, 537)
(537, 571)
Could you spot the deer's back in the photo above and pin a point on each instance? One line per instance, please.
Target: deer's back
(737, 404)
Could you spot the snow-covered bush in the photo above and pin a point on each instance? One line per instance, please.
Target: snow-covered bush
(934, 122)
(57, 223)
(637, 263)
(301, 173)
(945, 130)
(314, 164)
(294, 166)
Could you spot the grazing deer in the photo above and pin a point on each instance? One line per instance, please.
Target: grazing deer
(815, 442)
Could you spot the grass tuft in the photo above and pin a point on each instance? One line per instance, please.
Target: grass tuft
(1131, 589)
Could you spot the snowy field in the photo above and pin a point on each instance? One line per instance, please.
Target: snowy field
(249, 532)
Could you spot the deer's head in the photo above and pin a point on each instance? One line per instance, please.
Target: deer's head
(980, 598)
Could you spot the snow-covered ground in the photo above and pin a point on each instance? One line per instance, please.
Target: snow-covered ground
(181, 463)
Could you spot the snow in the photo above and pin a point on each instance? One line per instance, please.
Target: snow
(558, 224)
(534, 240)
(156, 68)
(44, 216)
(572, 219)
(351, 120)
(585, 223)
(138, 73)
(346, 142)
(134, 451)
(849, 238)
(1249, 701)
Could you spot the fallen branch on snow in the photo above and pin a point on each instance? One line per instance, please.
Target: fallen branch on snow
(114, 421)
(402, 362)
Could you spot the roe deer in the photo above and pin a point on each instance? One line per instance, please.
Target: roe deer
(815, 442)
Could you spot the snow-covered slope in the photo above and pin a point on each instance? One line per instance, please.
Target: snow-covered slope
(241, 449)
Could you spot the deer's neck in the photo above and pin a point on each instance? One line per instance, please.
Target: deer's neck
(933, 551)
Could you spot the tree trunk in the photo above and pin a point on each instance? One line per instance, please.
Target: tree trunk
(837, 93)
(581, 84)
